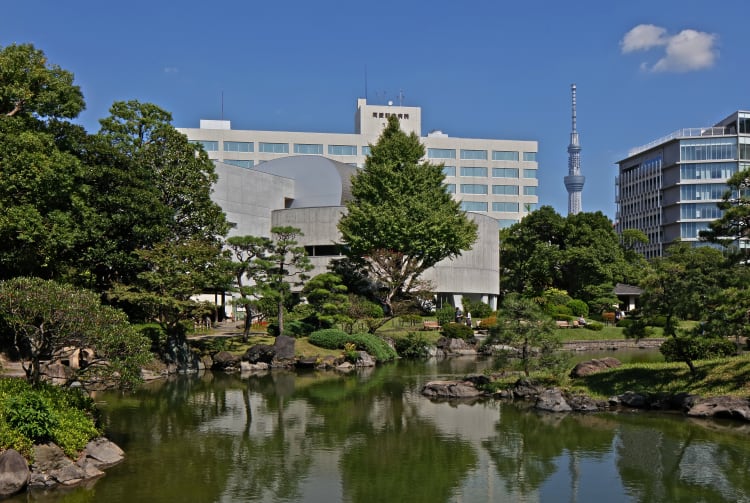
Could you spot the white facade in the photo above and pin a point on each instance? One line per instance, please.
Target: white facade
(497, 178)
(309, 193)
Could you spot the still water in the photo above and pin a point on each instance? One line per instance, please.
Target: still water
(371, 437)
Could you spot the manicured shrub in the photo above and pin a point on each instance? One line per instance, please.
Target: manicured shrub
(558, 310)
(297, 328)
(578, 307)
(375, 346)
(329, 338)
(676, 349)
(477, 308)
(414, 345)
(31, 416)
(594, 325)
(457, 331)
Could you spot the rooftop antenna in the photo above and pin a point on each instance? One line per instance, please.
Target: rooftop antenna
(401, 97)
(222, 105)
(381, 95)
(365, 82)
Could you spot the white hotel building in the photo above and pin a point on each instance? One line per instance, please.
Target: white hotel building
(497, 178)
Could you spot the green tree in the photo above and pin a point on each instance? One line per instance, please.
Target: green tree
(30, 85)
(41, 191)
(327, 296)
(401, 220)
(679, 285)
(580, 254)
(44, 317)
(522, 325)
(285, 266)
(734, 225)
(248, 253)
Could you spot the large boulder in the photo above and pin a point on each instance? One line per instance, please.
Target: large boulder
(526, 388)
(51, 467)
(259, 353)
(102, 453)
(593, 366)
(14, 473)
(450, 389)
(224, 360)
(284, 347)
(364, 359)
(720, 407)
(552, 400)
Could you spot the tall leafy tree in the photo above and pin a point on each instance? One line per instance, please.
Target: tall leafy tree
(580, 254)
(328, 298)
(41, 196)
(401, 220)
(30, 85)
(183, 255)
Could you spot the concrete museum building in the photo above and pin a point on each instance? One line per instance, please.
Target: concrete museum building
(303, 179)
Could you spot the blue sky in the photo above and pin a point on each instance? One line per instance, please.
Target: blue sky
(478, 69)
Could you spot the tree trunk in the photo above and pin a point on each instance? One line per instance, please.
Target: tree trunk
(281, 316)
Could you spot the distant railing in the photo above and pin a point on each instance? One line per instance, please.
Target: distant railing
(680, 133)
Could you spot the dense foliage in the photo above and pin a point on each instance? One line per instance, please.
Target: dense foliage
(43, 317)
(401, 219)
(691, 347)
(46, 413)
(579, 254)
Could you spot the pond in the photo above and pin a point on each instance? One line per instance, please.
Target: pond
(371, 436)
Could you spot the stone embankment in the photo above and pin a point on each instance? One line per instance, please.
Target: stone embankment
(613, 344)
(558, 400)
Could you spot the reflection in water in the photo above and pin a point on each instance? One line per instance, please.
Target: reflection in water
(371, 436)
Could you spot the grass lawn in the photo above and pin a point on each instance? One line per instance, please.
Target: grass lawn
(727, 376)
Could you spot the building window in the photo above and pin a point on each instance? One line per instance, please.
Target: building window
(505, 190)
(474, 154)
(273, 148)
(505, 206)
(239, 163)
(473, 188)
(323, 251)
(692, 211)
(366, 150)
(238, 146)
(529, 190)
(504, 155)
(342, 150)
(504, 223)
(529, 156)
(708, 171)
(529, 173)
(449, 170)
(691, 230)
(505, 172)
(703, 191)
(450, 188)
(473, 171)
(473, 206)
(208, 145)
(441, 153)
(708, 149)
(308, 148)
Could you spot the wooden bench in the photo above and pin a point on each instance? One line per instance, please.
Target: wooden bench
(430, 325)
(562, 324)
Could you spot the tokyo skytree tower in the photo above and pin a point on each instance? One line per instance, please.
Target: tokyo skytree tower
(574, 181)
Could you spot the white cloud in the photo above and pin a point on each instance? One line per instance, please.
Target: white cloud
(687, 51)
(171, 69)
(643, 37)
